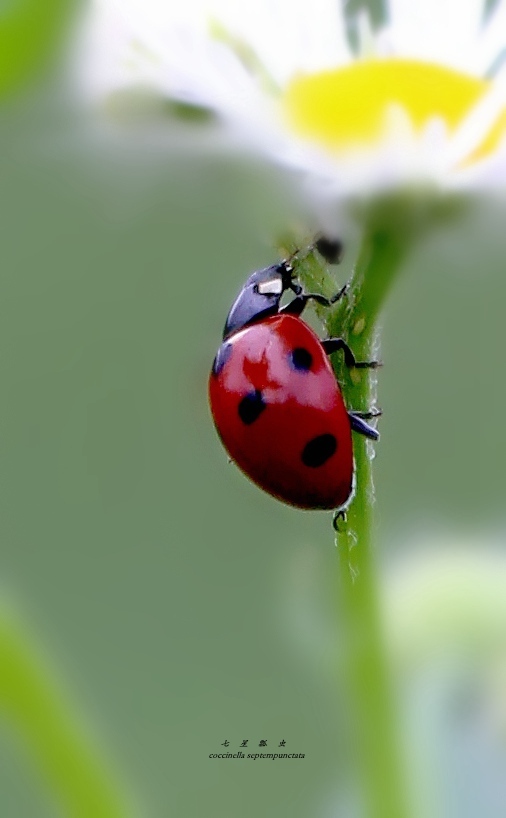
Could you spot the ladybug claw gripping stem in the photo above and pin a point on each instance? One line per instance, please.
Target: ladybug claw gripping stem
(374, 413)
(338, 515)
(331, 345)
(368, 364)
(342, 292)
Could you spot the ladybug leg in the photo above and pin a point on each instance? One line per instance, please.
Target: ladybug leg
(334, 344)
(299, 303)
(359, 425)
(340, 514)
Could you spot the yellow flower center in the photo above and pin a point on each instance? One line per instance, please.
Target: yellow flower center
(348, 107)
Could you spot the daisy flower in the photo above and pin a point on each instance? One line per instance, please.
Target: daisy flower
(418, 104)
(421, 100)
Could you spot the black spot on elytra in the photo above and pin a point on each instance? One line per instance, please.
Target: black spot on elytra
(221, 358)
(251, 407)
(318, 450)
(301, 359)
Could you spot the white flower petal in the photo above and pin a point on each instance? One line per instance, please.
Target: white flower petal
(287, 37)
(475, 127)
(439, 31)
(108, 60)
(231, 55)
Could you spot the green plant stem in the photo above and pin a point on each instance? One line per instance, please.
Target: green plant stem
(375, 739)
(392, 225)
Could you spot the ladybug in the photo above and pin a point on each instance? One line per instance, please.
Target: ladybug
(274, 398)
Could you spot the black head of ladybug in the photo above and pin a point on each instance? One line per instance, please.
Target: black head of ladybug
(260, 296)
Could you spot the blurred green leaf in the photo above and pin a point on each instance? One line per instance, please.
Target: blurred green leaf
(33, 700)
(30, 31)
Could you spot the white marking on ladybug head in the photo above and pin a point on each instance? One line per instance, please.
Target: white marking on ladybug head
(274, 286)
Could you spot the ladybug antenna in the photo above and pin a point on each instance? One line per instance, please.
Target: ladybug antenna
(288, 261)
(330, 249)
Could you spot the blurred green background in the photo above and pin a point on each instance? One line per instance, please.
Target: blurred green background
(181, 606)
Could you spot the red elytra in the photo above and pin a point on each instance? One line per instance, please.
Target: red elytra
(280, 414)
